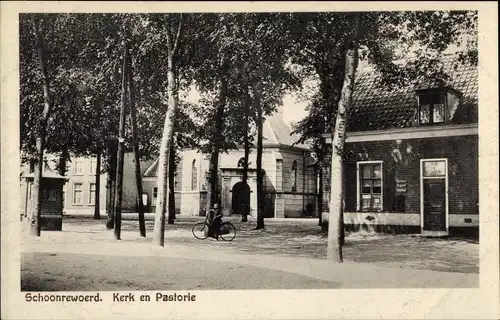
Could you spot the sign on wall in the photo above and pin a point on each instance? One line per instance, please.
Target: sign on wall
(401, 185)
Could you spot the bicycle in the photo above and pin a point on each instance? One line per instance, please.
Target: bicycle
(201, 230)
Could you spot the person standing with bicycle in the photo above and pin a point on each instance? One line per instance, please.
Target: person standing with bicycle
(214, 227)
(215, 221)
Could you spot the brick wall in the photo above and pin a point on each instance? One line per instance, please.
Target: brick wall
(462, 155)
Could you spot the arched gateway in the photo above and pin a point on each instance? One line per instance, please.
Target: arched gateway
(240, 198)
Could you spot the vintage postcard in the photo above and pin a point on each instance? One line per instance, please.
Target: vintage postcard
(243, 160)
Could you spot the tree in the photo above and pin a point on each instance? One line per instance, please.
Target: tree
(137, 158)
(172, 44)
(121, 146)
(97, 214)
(38, 30)
(335, 221)
(266, 38)
(246, 145)
(375, 36)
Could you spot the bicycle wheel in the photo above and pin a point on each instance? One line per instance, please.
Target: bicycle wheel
(227, 231)
(199, 230)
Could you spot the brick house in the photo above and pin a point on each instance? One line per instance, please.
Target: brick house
(289, 181)
(412, 156)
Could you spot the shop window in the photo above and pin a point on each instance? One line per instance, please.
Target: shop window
(370, 185)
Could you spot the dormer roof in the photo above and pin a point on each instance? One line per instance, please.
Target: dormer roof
(377, 106)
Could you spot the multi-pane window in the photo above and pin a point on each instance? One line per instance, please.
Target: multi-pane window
(92, 194)
(155, 196)
(93, 165)
(432, 108)
(78, 167)
(194, 176)
(77, 193)
(370, 185)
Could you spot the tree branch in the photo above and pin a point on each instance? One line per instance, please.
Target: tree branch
(169, 40)
(177, 37)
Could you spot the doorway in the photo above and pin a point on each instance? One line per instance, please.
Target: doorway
(434, 197)
(240, 202)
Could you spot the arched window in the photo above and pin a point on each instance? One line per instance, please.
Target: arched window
(194, 176)
(294, 176)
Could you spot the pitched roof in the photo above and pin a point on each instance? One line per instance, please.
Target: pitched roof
(375, 107)
(152, 171)
(277, 133)
(47, 173)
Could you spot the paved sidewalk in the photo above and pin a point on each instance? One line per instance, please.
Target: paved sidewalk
(96, 241)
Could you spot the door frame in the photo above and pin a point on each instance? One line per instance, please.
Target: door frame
(428, 232)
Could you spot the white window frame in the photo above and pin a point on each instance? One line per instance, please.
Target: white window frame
(90, 193)
(422, 178)
(154, 200)
(81, 197)
(92, 170)
(358, 183)
(75, 166)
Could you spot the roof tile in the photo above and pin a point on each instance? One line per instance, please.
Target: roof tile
(377, 107)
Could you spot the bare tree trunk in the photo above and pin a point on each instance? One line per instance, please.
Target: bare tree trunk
(97, 213)
(166, 142)
(121, 149)
(335, 221)
(320, 193)
(111, 186)
(244, 214)
(137, 158)
(217, 137)
(171, 185)
(35, 214)
(260, 173)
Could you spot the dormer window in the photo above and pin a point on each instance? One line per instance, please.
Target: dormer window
(437, 106)
(432, 108)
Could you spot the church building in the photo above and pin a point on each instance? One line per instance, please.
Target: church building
(289, 181)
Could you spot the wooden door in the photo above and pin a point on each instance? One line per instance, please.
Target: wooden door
(434, 205)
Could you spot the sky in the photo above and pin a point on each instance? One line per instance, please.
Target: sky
(293, 108)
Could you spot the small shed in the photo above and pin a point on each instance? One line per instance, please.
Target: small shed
(52, 199)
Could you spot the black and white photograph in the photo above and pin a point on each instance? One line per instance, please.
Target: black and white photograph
(190, 153)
